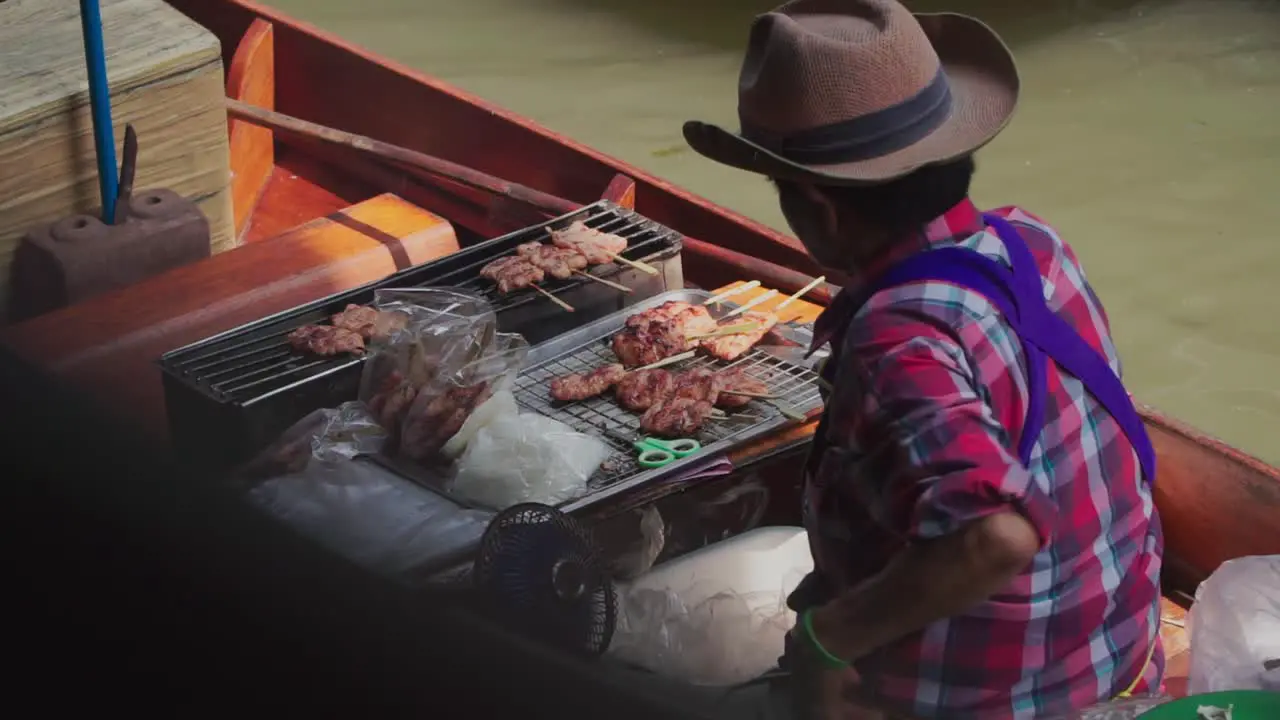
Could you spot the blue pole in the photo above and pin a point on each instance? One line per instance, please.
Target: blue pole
(104, 142)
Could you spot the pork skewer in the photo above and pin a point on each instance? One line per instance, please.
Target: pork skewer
(599, 247)
(584, 386)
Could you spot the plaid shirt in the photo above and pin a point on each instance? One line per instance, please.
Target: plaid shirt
(929, 395)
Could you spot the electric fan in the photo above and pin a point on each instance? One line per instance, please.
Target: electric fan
(542, 575)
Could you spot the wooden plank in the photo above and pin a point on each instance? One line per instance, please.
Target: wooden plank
(252, 79)
(108, 347)
(165, 78)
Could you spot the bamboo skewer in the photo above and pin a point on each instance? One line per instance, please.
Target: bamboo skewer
(801, 292)
(554, 299)
(753, 303)
(616, 286)
(756, 396)
(716, 299)
(642, 267)
(726, 330)
(669, 361)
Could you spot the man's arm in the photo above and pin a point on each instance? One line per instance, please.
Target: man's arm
(970, 511)
(927, 582)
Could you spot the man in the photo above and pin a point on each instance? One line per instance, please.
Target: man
(978, 498)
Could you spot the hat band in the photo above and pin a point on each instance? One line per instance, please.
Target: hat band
(868, 136)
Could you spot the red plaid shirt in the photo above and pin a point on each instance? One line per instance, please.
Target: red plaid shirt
(929, 397)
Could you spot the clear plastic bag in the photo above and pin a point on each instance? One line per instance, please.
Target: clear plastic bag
(328, 434)
(423, 380)
(370, 516)
(722, 640)
(1235, 627)
(1128, 708)
(444, 330)
(525, 458)
(442, 406)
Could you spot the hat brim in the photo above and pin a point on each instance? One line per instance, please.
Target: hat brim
(984, 92)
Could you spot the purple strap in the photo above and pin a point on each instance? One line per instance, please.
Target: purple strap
(1019, 296)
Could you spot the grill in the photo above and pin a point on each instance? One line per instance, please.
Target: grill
(230, 395)
(795, 385)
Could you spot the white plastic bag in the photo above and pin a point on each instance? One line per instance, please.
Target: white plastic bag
(721, 640)
(1235, 627)
(373, 518)
(717, 616)
(525, 458)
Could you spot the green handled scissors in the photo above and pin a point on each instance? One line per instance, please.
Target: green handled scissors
(656, 453)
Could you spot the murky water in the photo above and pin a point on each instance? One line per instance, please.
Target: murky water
(1149, 134)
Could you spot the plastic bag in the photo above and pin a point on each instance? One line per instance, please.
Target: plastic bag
(442, 406)
(1235, 627)
(716, 616)
(368, 515)
(526, 458)
(1128, 708)
(423, 380)
(329, 434)
(722, 640)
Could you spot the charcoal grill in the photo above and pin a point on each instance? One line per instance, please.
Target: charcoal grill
(230, 395)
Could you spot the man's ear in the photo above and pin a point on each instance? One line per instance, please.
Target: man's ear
(823, 207)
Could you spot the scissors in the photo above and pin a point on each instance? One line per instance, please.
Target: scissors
(656, 453)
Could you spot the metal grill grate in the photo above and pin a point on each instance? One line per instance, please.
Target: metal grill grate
(255, 361)
(794, 386)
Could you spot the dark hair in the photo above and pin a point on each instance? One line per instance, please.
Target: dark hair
(908, 202)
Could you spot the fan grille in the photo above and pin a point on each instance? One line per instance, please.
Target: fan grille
(543, 575)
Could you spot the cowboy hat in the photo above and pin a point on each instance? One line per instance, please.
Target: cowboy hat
(853, 92)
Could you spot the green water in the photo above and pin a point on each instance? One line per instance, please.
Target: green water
(1149, 134)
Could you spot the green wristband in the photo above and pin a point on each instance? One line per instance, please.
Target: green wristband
(831, 661)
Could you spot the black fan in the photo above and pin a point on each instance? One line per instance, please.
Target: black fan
(544, 576)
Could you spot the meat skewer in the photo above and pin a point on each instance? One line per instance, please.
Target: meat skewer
(583, 386)
(676, 417)
(730, 347)
(512, 273)
(641, 389)
(370, 322)
(739, 388)
(660, 332)
(599, 247)
(326, 340)
(558, 262)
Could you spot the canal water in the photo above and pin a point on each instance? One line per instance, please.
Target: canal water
(1149, 134)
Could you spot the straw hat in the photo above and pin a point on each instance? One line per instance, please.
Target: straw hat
(851, 92)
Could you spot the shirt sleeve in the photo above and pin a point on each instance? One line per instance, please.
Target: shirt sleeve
(922, 405)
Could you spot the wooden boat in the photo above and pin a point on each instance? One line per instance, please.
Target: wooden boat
(315, 219)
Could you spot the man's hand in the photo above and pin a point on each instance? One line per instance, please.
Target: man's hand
(818, 691)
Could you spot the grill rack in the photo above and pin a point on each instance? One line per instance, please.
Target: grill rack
(247, 385)
(793, 383)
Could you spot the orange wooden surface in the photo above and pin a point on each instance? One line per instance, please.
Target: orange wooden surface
(108, 347)
(251, 78)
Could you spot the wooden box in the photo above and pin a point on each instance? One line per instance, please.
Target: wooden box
(166, 79)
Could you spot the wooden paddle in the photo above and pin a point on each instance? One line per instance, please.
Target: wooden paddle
(781, 278)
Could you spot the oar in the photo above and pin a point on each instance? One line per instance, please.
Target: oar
(776, 276)
(104, 141)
